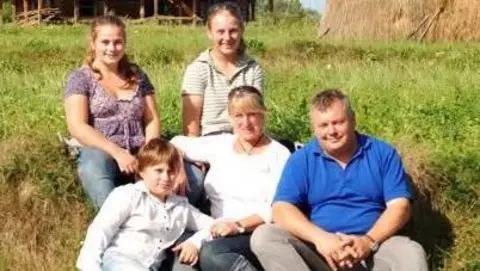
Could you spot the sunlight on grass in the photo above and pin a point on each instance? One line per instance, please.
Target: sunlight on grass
(421, 97)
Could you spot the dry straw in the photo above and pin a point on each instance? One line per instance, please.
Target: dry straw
(431, 20)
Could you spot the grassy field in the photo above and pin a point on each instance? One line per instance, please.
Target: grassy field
(421, 97)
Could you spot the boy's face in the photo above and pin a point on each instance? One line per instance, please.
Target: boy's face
(159, 179)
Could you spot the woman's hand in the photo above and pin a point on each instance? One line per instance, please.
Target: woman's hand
(188, 253)
(126, 162)
(223, 229)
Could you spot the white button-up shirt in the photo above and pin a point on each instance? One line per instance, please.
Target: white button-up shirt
(137, 224)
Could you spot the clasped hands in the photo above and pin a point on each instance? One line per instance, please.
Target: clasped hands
(342, 250)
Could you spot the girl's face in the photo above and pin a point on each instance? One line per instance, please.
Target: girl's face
(109, 45)
(247, 125)
(225, 32)
(159, 179)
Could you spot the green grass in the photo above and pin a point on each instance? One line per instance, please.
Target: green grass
(421, 97)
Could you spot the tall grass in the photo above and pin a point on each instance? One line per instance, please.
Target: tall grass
(421, 97)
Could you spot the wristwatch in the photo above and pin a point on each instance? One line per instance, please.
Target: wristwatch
(240, 228)
(374, 245)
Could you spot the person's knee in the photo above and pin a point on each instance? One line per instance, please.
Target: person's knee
(416, 252)
(210, 257)
(411, 253)
(262, 238)
(95, 162)
(208, 252)
(98, 173)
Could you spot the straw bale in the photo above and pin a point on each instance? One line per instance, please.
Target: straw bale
(402, 19)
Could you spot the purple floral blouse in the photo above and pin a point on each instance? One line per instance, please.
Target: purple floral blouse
(120, 121)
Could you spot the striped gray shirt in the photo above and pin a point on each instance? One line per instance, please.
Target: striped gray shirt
(202, 78)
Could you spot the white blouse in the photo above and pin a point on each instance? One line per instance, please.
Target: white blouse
(137, 224)
(238, 185)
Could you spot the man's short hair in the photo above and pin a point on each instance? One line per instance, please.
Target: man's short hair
(324, 98)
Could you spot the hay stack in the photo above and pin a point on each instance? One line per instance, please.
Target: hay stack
(402, 19)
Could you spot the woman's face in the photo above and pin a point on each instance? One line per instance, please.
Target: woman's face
(109, 45)
(225, 32)
(247, 125)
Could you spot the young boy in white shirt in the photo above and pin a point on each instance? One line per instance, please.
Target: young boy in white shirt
(139, 222)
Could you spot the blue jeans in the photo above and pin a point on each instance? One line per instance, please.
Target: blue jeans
(99, 174)
(229, 254)
(196, 177)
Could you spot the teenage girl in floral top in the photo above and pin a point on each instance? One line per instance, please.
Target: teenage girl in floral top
(110, 109)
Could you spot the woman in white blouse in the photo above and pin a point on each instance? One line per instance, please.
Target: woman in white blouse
(244, 171)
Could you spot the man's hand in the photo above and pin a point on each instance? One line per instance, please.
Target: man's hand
(335, 250)
(361, 245)
(188, 253)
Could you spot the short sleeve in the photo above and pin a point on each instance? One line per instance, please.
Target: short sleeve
(395, 180)
(194, 79)
(292, 187)
(258, 78)
(78, 82)
(145, 85)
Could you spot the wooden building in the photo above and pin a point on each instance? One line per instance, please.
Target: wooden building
(189, 10)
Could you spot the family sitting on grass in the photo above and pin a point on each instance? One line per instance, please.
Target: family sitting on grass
(339, 203)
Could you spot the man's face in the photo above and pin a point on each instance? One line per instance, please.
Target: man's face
(334, 128)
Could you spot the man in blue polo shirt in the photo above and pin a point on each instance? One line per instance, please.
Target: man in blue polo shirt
(340, 202)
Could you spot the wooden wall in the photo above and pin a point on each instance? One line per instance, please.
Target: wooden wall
(131, 8)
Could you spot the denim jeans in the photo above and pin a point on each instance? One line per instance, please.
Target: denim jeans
(229, 254)
(99, 174)
(196, 177)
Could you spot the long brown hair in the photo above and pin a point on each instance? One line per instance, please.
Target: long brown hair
(234, 10)
(127, 69)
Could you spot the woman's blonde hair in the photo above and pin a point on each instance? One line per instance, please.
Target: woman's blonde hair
(247, 99)
(126, 68)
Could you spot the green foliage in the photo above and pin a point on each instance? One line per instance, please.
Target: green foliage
(7, 11)
(256, 47)
(424, 94)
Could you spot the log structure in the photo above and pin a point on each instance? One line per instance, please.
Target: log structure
(78, 10)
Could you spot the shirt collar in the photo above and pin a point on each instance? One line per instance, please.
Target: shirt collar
(363, 143)
(243, 61)
(171, 201)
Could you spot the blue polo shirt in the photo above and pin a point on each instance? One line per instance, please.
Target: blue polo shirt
(346, 200)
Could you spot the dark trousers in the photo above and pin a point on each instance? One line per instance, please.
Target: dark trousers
(229, 254)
